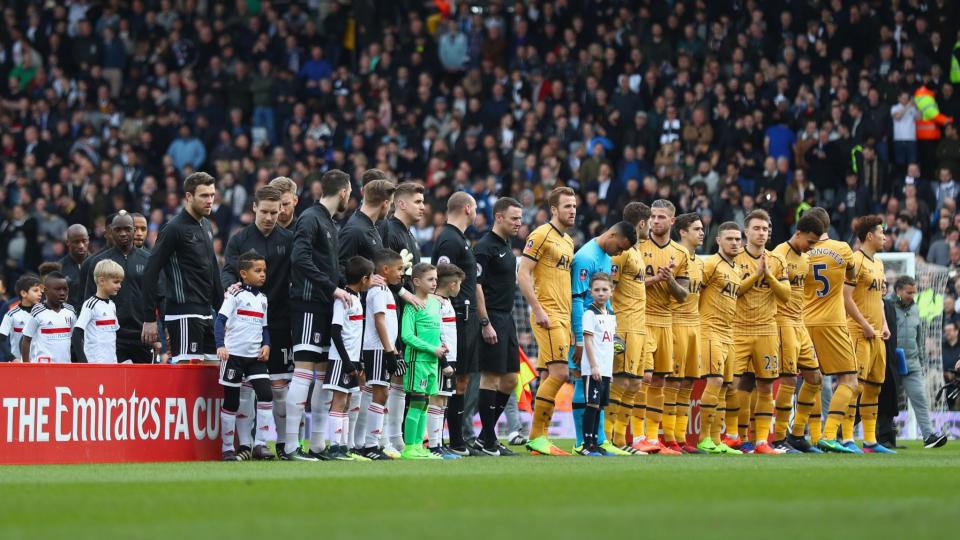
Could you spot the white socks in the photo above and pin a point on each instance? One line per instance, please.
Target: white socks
(245, 416)
(228, 428)
(374, 425)
(296, 401)
(394, 421)
(434, 426)
(264, 422)
(358, 425)
(280, 411)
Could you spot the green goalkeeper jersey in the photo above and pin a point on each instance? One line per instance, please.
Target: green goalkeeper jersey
(421, 332)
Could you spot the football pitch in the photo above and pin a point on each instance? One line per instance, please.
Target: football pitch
(914, 494)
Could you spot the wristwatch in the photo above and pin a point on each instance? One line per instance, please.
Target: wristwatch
(484, 321)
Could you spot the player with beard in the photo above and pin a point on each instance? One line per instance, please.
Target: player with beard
(315, 274)
(184, 251)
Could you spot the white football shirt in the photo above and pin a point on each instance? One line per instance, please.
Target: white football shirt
(246, 314)
(14, 322)
(379, 300)
(98, 320)
(448, 329)
(601, 328)
(50, 332)
(351, 320)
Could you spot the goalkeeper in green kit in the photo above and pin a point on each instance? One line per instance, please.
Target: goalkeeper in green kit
(420, 332)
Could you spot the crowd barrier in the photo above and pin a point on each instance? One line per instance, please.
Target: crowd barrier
(69, 413)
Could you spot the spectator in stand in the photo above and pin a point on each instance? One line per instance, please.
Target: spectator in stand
(908, 236)
(905, 115)
(187, 151)
(939, 252)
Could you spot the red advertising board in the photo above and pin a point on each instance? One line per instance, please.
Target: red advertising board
(72, 413)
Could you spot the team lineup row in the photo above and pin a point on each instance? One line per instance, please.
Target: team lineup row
(743, 318)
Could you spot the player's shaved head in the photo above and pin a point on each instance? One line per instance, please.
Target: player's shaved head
(459, 201)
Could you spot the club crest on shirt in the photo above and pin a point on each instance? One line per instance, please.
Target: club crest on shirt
(614, 270)
(583, 274)
(479, 269)
(529, 244)
(443, 260)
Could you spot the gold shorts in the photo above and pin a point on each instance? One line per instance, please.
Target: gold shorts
(717, 359)
(658, 355)
(686, 352)
(553, 344)
(629, 363)
(834, 349)
(871, 357)
(796, 350)
(761, 353)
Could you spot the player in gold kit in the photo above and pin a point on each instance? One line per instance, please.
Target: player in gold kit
(831, 266)
(796, 350)
(755, 334)
(629, 305)
(686, 340)
(868, 328)
(717, 306)
(544, 280)
(666, 271)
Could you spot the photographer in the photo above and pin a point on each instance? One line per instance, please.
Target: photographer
(951, 356)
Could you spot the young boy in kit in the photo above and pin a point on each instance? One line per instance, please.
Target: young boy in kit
(599, 331)
(95, 334)
(46, 337)
(30, 290)
(243, 347)
(379, 358)
(344, 372)
(449, 277)
(423, 351)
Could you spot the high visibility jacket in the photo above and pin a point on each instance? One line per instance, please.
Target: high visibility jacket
(930, 116)
(955, 64)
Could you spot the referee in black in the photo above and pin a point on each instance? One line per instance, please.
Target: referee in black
(499, 349)
(452, 247)
(184, 252)
(129, 299)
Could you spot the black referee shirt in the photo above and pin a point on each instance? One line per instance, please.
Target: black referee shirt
(454, 248)
(496, 271)
(276, 249)
(359, 237)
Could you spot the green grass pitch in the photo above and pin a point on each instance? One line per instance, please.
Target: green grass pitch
(914, 494)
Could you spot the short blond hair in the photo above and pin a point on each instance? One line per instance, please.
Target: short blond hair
(108, 269)
(284, 184)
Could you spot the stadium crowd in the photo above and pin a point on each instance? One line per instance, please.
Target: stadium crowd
(720, 107)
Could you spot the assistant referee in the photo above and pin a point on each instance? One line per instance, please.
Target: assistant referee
(499, 349)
